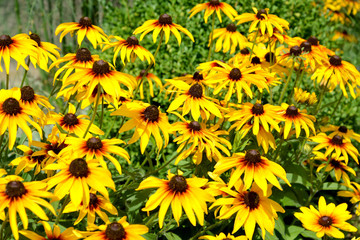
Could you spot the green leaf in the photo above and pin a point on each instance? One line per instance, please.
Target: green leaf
(293, 232)
(309, 234)
(333, 186)
(172, 236)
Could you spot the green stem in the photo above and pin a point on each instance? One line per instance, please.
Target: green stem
(207, 229)
(3, 225)
(252, 47)
(54, 88)
(25, 74)
(151, 219)
(298, 75)
(18, 18)
(95, 109)
(320, 99)
(337, 105)
(102, 112)
(286, 84)
(67, 199)
(211, 37)
(7, 81)
(278, 149)
(121, 124)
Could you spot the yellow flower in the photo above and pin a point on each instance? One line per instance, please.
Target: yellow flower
(354, 194)
(302, 96)
(222, 236)
(228, 37)
(342, 131)
(149, 77)
(214, 6)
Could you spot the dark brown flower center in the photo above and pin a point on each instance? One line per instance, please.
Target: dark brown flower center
(27, 94)
(142, 72)
(122, 99)
(85, 22)
(231, 27)
(101, 67)
(178, 183)
(56, 147)
(94, 143)
(252, 156)
(235, 74)
(94, 201)
(292, 111)
(214, 3)
(36, 38)
(15, 189)
(70, 119)
(305, 46)
(79, 168)
(335, 60)
(257, 109)
(255, 60)
(151, 113)
(11, 106)
(83, 55)
(226, 239)
(196, 91)
(260, 13)
(313, 41)
(115, 231)
(165, 19)
(270, 57)
(251, 200)
(337, 140)
(343, 129)
(195, 126)
(325, 221)
(295, 51)
(132, 41)
(245, 51)
(38, 159)
(335, 164)
(5, 40)
(198, 77)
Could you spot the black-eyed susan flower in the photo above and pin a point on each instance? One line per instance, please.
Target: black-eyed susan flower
(45, 50)
(28, 161)
(229, 38)
(50, 150)
(74, 177)
(337, 72)
(17, 47)
(17, 195)
(13, 114)
(251, 207)
(214, 6)
(100, 74)
(93, 147)
(327, 220)
(149, 77)
(180, 192)
(294, 116)
(147, 120)
(264, 21)
(75, 61)
(118, 230)
(196, 138)
(128, 50)
(193, 100)
(83, 28)
(315, 43)
(163, 24)
(255, 168)
(72, 123)
(222, 236)
(344, 35)
(352, 6)
(55, 233)
(266, 115)
(239, 77)
(354, 194)
(96, 206)
(302, 96)
(91, 99)
(336, 143)
(342, 131)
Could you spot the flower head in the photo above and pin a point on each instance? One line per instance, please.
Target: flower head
(214, 6)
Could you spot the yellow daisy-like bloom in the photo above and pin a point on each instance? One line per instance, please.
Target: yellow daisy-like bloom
(197, 137)
(14, 113)
(17, 195)
(354, 194)
(99, 74)
(194, 101)
(45, 50)
(118, 230)
(92, 147)
(222, 236)
(344, 35)
(71, 123)
(336, 72)
(251, 207)
(91, 99)
(67, 234)
(228, 38)
(84, 28)
(240, 77)
(149, 77)
(50, 151)
(75, 177)
(266, 115)
(180, 192)
(293, 115)
(327, 220)
(75, 61)
(163, 24)
(147, 120)
(313, 57)
(17, 47)
(128, 50)
(254, 167)
(214, 6)
(302, 96)
(353, 6)
(335, 164)
(342, 131)
(336, 143)
(96, 204)
(267, 22)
